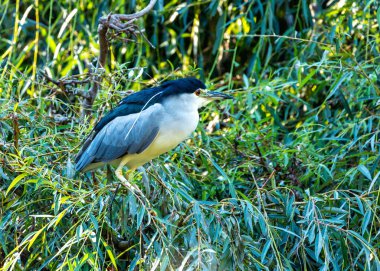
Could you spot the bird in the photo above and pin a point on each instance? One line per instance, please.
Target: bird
(145, 125)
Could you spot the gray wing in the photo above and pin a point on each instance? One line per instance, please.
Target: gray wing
(129, 134)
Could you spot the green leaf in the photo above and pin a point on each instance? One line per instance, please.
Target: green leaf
(307, 78)
(287, 231)
(140, 216)
(59, 217)
(318, 245)
(366, 220)
(373, 181)
(35, 236)
(15, 182)
(110, 254)
(345, 104)
(365, 172)
(265, 249)
(197, 214)
(94, 221)
(263, 225)
(342, 77)
(220, 26)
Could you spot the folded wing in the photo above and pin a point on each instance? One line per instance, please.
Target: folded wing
(123, 135)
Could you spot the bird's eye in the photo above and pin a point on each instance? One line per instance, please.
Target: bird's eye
(197, 92)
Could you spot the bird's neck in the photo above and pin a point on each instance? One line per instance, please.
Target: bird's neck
(182, 104)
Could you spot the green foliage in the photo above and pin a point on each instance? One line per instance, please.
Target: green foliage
(286, 177)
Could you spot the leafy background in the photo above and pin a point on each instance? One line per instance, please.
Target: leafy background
(286, 177)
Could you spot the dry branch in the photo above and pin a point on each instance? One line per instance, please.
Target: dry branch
(116, 24)
(112, 22)
(63, 83)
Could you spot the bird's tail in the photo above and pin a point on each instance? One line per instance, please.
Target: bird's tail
(80, 160)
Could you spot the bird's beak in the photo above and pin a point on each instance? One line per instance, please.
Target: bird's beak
(213, 95)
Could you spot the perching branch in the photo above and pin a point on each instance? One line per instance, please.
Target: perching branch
(109, 28)
(115, 23)
(72, 80)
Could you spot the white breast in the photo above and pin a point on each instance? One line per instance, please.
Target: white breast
(179, 121)
(178, 118)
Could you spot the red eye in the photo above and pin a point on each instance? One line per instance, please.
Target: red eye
(197, 92)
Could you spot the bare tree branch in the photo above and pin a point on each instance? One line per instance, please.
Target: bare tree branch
(72, 80)
(139, 13)
(61, 83)
(112, 22)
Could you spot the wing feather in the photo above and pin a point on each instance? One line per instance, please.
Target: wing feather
(123, 135)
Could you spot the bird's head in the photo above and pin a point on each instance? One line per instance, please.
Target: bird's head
(194, 91)
(205, 96)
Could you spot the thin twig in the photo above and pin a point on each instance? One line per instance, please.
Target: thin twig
(64, 82)
(262, 161)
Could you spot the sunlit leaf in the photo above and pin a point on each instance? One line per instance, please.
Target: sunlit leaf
(15, 182)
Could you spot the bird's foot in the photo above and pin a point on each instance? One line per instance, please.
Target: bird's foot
(134, 189)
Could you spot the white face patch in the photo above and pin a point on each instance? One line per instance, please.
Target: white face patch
(200, 101)
(186, 101)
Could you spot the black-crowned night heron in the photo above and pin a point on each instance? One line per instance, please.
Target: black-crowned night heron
(145, 124)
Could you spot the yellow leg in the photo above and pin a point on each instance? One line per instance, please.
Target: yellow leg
(130, 186)
(124, 181)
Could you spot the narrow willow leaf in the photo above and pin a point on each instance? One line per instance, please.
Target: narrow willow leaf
(360, 204)
(70, 169)
(66, 22)
(318, 245)
(164, 263)
(337, 83)
(310, 74)
(110, 254)
(134, 262)
(366, 221)
(59, 217)
(140, 216)
(263, 225)
(345, 104)
(287, 231)
(15, 182)
(220, 26)
(365, 172)
(35, 236)
(311, 233)
(94, 221)
(57, 202)
(79, 232)
(265, 250)
(197, 214)
(248, 219)
(373, 182)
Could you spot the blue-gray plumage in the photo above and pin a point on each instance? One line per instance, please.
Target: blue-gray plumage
(143, 99)
(145, 125)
